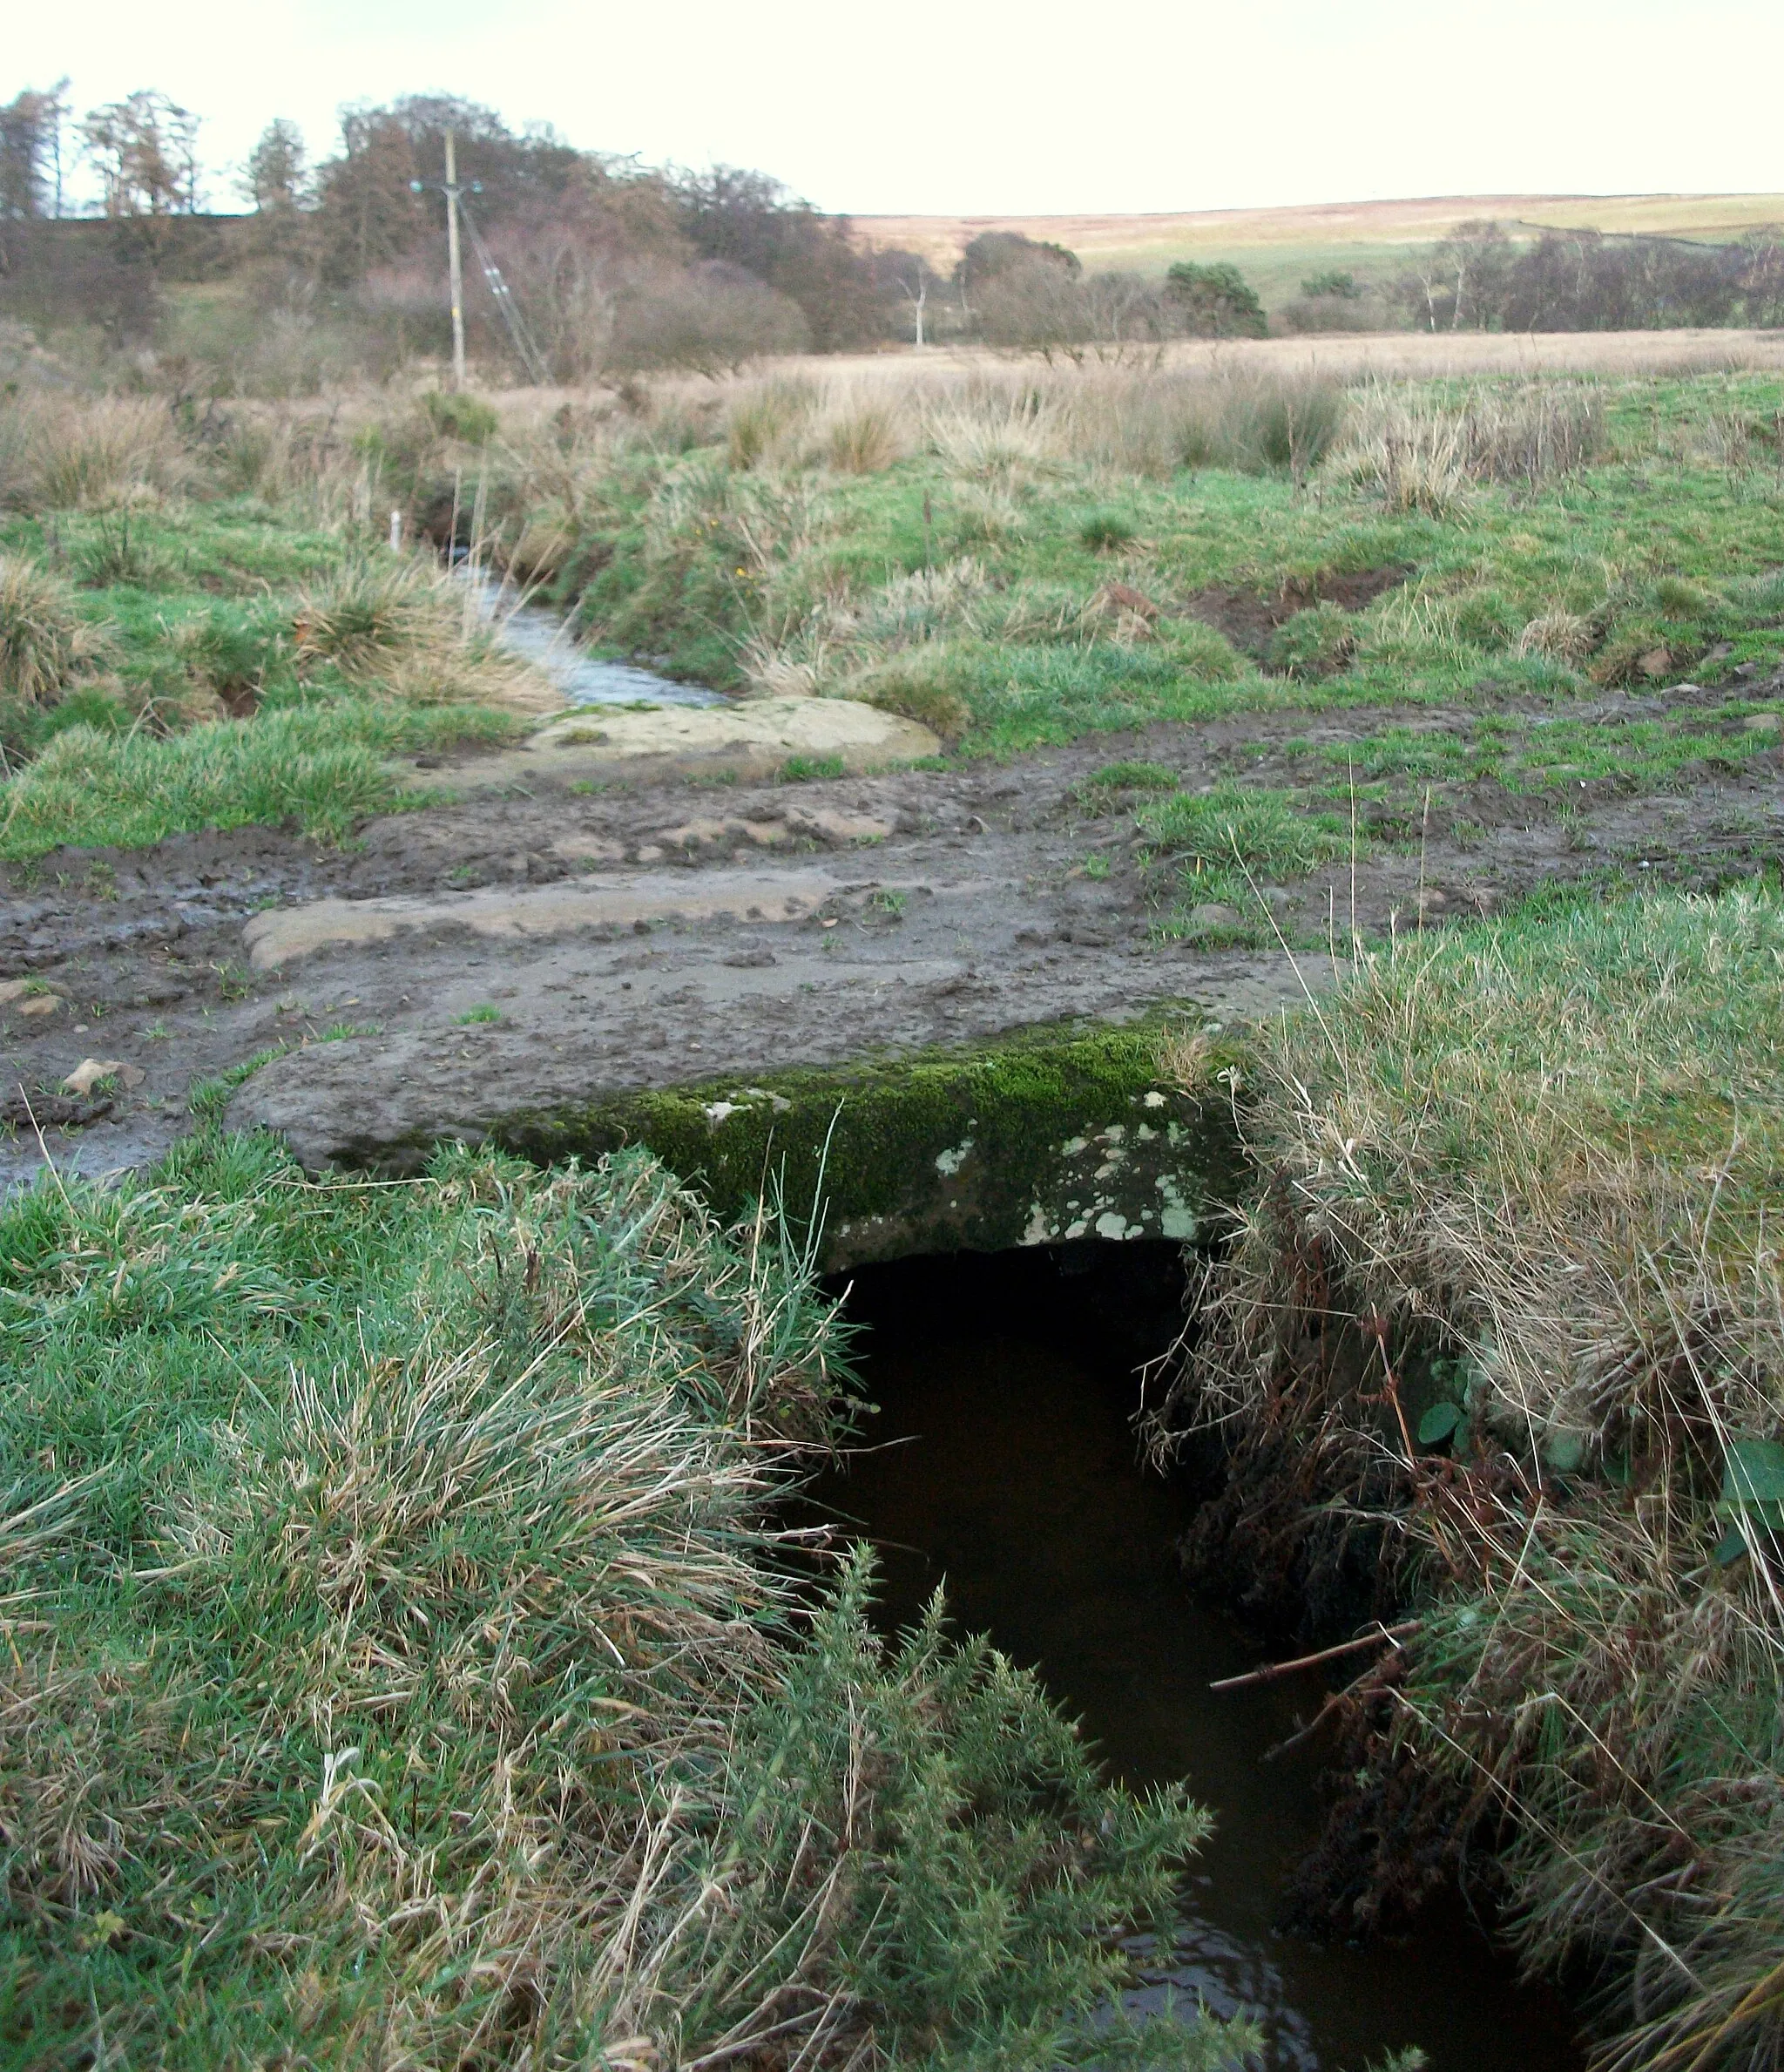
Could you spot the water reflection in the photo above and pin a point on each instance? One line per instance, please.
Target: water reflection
(1004, 1462)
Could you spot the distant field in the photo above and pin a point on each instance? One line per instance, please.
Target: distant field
(1275, 246)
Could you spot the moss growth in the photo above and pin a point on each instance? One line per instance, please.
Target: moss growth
(954, 1141)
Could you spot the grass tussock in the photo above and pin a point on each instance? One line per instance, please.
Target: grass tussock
(406, 1666)
(1425, 453)
(1502, 1333)
(1225, 843)
(97, 453)
(44, 643)
(396, 626)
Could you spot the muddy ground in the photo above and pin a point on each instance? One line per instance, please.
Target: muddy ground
(463, 962)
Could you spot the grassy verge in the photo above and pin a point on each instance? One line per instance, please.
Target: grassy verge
(1501, 1339)
(192, 664)
(403, 1662)
(321, 767)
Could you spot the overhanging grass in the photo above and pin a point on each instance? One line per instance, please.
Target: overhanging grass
(402, 1662)
(1503, 1315)
(320, 766)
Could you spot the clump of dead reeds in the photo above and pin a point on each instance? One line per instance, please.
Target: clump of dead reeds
(90, 453)
(1503, 1328)
(1423, 452)
(44, 643)
(391, 623)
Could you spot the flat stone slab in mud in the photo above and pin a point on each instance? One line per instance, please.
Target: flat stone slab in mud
(284, 936)
(753, 738)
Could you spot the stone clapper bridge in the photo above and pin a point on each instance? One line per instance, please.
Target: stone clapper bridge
(892, 1048)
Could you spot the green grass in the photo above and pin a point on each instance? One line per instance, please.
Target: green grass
(1658, 543)
(1131, 776)
(1224, 842)
(985, 593)
(1501, 1318)
(320, 767)
(402, 1658)
(477, 1014)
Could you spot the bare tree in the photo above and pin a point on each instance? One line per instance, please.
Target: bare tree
(1472, 263)
(31, 152)
(146, 149)
(918, 297)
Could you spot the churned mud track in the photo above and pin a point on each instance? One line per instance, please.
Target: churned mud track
(464, 963)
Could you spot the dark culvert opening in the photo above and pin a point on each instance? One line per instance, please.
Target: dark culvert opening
(1001, 1461)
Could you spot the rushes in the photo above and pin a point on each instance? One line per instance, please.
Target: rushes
(94, 454)
(44, 642)
(1425, 454)
(398, 626)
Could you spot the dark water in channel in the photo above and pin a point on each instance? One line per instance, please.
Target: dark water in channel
(1003, 1462)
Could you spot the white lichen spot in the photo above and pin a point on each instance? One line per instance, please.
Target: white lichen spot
(1145, 1133)
(1178, 1219)
(948, 1163)
(1115, 1133)
(1112, 1225)
(716, 1111)
(1155, 1099)
(1072, 1146)
(1075, 1230)
(1039, 1230)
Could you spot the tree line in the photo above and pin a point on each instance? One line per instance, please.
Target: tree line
(621, 267)
(1480, 278)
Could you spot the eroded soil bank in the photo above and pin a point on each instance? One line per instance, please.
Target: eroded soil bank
(532, 954)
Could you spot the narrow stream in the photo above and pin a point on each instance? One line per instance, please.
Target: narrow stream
(1002, 1463)
(545, 640)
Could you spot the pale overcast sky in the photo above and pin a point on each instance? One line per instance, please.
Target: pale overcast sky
(964, 106)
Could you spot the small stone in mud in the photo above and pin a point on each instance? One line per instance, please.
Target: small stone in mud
(751, 960)
(1212, 916)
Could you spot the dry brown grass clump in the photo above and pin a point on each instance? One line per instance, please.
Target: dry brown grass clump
(91, 453)
(1425, 454)
(396, 625)
(44, 643)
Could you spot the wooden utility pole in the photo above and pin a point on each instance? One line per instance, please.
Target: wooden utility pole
(453, 264)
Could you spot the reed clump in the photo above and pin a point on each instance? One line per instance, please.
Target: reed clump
(44, 643)
(1501, 1339)
(397, 626)
(407, 1665)
(90, 453)
(1424, 453)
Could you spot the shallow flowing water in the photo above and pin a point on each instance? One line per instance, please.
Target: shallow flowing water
(1002, 1463)
(545, 640)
